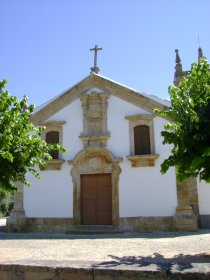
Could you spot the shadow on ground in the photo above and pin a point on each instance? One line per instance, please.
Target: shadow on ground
(182, 261)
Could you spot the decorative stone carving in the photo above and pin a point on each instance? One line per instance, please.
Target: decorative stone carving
(179, 73)
(94, 107)
(95, 160)
(94, 140)
(143, 160)
(54, 164)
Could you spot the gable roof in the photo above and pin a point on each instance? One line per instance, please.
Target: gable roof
(140, 99)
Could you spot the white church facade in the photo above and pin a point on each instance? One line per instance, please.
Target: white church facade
(110, 175)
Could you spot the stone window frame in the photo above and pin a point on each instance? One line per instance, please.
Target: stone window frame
(141, 160)
(54, 164)
(52, 137)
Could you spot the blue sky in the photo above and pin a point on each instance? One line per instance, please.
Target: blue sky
(45, 44)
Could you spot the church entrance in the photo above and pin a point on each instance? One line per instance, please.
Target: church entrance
(96, 199)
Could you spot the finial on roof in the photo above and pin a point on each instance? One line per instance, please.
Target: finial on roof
(95, 68)
(200, 53)
(178, 60)
(178, 66)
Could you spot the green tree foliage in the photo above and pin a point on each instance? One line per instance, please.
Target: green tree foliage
(189, 129)
(21, 146)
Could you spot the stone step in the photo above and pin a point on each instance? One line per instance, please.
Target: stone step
(94, 230)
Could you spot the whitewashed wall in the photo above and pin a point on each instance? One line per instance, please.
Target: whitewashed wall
(204, 197)
(50, 196)
(118, 126)
(73, 116)
(143, 191)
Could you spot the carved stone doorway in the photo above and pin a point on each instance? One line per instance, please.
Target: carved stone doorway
(95, 161)
(96, 199)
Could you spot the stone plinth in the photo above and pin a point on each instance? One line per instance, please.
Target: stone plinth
(17, 219)
(184, 219)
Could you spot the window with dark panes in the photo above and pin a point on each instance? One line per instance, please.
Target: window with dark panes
(142, 140)
(52, 137)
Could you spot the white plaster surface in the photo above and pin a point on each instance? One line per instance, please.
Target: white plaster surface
(203, 197)
(72, 115)
(118, 126)
(143, 191)
(50, 196)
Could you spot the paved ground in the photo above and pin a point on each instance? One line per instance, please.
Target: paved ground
(106, 250)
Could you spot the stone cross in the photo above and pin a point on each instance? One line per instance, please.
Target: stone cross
(95, 68)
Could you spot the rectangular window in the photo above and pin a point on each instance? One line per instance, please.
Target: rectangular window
(52, 137)
(142, 140)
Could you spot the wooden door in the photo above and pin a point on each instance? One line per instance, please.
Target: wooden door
(96, 199)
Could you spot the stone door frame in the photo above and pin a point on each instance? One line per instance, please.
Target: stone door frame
(95, 160)
(96, 199)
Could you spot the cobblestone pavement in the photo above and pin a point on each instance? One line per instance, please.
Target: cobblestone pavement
(105, 249)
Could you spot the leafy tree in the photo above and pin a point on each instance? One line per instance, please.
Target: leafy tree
(21, 146)
(189, 129)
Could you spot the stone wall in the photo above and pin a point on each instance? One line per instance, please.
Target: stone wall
(144, 224)
(178, 222)
(42, 225)
(148, 271)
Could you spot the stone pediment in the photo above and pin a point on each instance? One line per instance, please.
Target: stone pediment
(95, 85)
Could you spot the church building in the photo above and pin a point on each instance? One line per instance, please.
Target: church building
(110, 177)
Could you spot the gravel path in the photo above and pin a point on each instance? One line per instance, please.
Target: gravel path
(115, 249)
